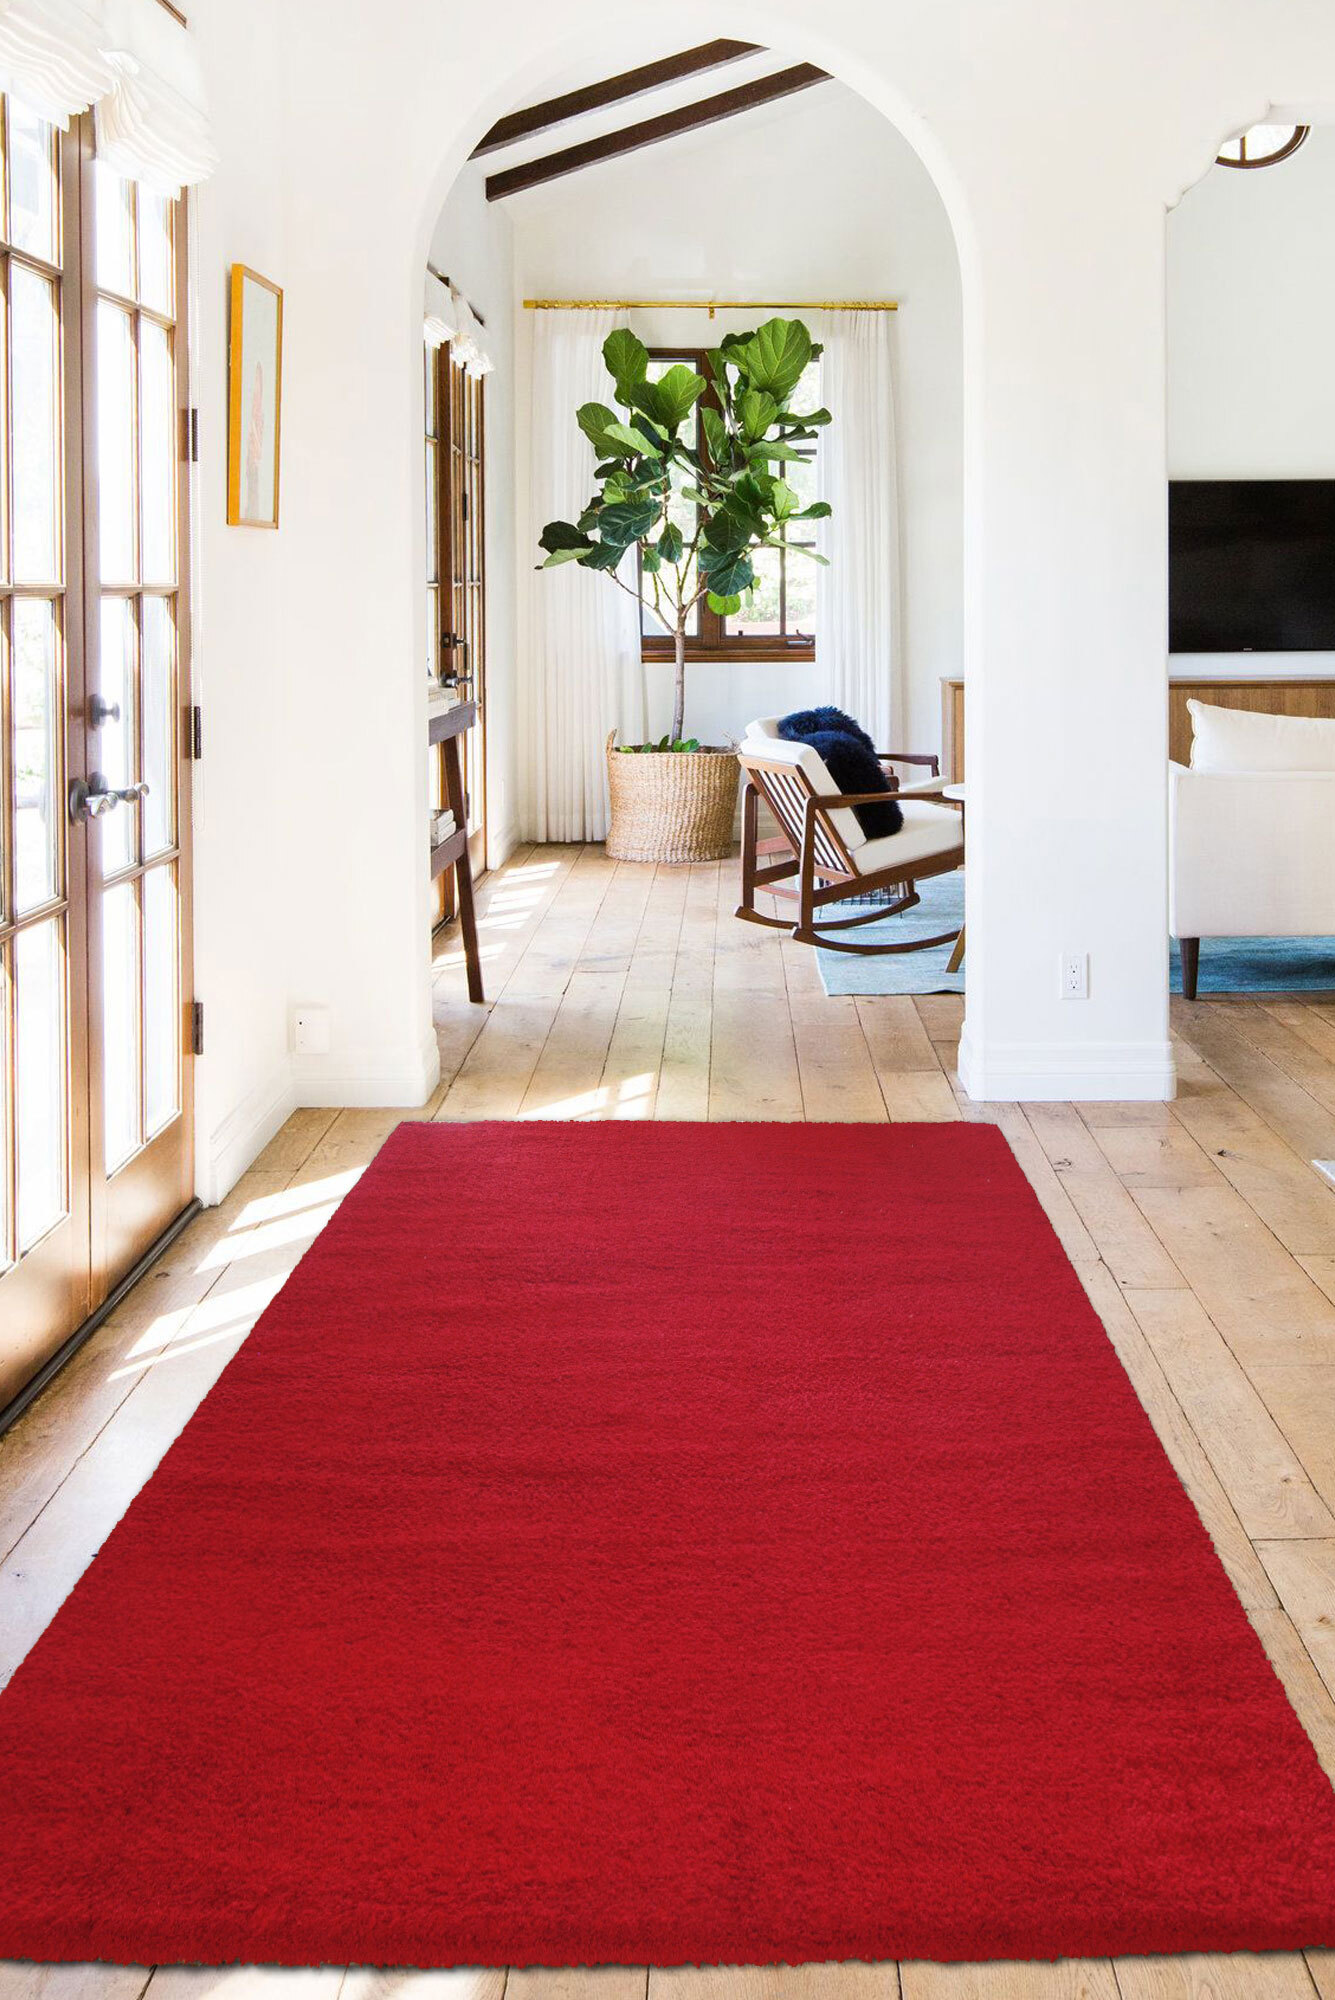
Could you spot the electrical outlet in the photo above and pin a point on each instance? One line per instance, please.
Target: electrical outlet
(1075, 975)
(310, 1031)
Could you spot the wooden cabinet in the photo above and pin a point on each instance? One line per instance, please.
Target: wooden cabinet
(1294, 696)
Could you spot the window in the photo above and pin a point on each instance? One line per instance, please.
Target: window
(1262, 146)
(779, 623)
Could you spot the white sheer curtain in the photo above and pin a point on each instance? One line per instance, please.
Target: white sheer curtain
(857, 611)
(580, 673)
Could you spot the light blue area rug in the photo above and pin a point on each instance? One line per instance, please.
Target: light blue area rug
(1228, 965)
(941, 909)
(1259, 965)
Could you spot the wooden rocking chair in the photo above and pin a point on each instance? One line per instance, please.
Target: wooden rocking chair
(823, 845)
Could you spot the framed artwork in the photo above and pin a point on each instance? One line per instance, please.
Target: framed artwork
(254, 400)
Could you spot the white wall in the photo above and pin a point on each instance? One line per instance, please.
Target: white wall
(473, 245)
(859, 218)
(1251, 334)
(251, 853)
(313, 646)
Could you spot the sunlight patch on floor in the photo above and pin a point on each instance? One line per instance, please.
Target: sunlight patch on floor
(275, 1221)
(225, 1311)
(629, 1099)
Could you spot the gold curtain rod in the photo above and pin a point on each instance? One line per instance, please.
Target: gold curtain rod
(712, 306)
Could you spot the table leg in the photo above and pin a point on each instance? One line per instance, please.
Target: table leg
(463, 868)
(957, 955)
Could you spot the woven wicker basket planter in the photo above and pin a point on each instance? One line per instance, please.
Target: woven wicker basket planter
(671, 805)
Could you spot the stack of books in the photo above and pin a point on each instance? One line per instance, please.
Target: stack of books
(442, 826)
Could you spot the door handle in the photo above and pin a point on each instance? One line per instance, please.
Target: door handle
(92, 798)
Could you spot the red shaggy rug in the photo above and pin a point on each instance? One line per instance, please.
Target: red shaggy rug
(733, 1543)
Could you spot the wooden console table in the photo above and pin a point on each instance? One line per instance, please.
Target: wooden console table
(1290, 695)
(445, 727)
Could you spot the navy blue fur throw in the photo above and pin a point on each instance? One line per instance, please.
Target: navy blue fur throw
(850, 758)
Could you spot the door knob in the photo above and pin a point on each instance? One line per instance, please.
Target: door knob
(92, 798)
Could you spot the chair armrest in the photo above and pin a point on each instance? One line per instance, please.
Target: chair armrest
(929, 758)
(828, 801)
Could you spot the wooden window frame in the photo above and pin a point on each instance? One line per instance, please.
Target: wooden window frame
(1245, 164)
(713, 640)
(460, 640)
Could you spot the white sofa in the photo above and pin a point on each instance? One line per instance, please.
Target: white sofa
(1251, 830)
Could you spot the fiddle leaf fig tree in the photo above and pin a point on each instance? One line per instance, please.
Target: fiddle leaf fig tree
(690, 472)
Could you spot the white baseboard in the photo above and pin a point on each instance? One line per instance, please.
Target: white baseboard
(1086, 1072)
(242, 1135)
(368, 1078)
(503, 846)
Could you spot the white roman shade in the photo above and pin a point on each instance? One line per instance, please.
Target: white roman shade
(153, 124)
(51, 56)
(449, 317)
(441, 317)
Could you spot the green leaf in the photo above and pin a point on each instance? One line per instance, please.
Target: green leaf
(644, 396)
(726, 570)
(559, 535)
(819, 510)
(679, 390)
(650, 561)
(783, 500)
(670, 543)
(595, 420)
(727, 530)
(626, 520)
(603, 555)
(691, 743)
(563, 556)
(716, 436)
(774, 448)
(610, 438)
(756, 411)
(726, 607)
(774, 357)
(626, 357)
(629, 438)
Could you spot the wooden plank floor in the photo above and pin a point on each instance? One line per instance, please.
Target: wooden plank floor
(1200, 1229)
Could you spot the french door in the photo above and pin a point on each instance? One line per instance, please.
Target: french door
(95, 1081)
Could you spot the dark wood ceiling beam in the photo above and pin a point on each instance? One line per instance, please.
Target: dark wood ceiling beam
(650, 131)
(613, 90)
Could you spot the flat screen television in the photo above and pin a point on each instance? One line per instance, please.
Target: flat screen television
(1251, 565)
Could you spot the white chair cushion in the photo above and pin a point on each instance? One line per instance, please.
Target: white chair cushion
(1237, 739)
(777, 749)
(929, 831)
(767, 726)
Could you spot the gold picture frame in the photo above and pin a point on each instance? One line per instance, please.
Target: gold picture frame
(254, 399)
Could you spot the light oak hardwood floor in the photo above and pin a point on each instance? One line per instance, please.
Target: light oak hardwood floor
(1200, 1229)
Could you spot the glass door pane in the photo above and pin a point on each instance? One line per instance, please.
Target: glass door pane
(44, 1239)
(40, 1035)
(139, 940)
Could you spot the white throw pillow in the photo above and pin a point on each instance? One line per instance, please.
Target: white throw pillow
(1237, 739)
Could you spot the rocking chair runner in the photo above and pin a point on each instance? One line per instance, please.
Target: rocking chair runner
(824, 847)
